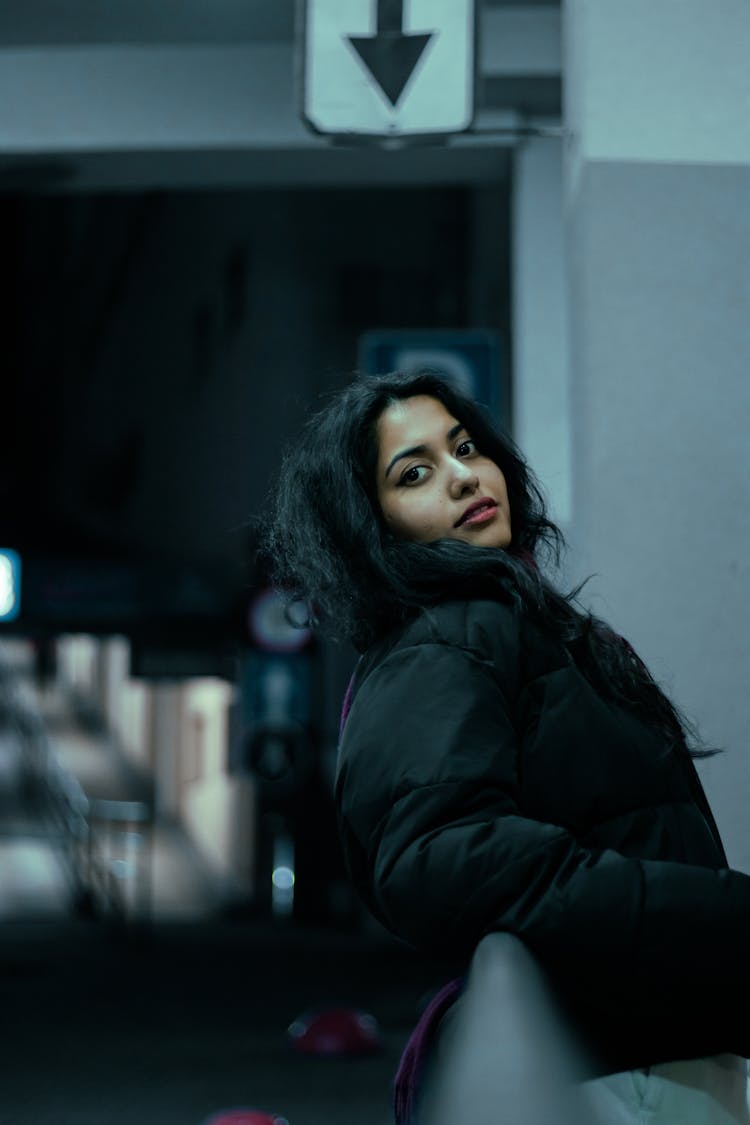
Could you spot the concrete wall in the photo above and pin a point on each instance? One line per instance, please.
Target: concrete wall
(658, 182)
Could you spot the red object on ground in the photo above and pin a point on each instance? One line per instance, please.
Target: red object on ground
(335, 1031)
(245, 1117)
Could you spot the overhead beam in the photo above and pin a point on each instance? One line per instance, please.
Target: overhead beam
(520, 42)
(91, 103)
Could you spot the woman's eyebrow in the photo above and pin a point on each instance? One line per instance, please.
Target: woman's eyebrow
(406, 453)
(453, 432)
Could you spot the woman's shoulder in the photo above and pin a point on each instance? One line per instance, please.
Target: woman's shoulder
(482, 626)
(470, 623)
(490, 631)
(449, 658)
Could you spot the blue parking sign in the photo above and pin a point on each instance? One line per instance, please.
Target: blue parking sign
(469, 359)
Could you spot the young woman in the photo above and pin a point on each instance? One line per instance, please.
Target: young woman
(507, 763)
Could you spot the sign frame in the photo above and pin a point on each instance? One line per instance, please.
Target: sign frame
(393, 136)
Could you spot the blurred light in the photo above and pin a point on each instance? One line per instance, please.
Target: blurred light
(283, 878)
(282, 875)
(10, 584)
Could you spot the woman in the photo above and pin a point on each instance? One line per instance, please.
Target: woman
(507, 763)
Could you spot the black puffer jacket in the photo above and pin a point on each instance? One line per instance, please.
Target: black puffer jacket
(483, 784)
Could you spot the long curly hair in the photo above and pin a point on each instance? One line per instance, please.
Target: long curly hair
(326, 544)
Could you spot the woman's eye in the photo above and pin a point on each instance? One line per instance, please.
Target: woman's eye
(466, 448)
(413, 475)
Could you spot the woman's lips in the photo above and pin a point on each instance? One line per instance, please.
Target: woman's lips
(479, 513)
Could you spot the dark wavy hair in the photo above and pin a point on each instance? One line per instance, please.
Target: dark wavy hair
(328, 546)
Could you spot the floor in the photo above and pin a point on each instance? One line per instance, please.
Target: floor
(170, 1027)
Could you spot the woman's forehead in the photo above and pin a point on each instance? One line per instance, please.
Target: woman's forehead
(418, 420)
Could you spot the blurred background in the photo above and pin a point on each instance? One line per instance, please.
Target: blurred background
(194, 252)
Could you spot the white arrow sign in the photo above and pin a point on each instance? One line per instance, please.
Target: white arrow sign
(388, 67)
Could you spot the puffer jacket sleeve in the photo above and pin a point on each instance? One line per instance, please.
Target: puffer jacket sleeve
(428, 799)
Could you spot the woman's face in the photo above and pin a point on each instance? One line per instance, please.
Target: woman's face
(433, 483)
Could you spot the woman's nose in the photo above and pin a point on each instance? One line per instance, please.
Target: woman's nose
(463, 478)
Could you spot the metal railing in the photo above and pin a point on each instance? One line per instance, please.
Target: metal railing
(504, 1053)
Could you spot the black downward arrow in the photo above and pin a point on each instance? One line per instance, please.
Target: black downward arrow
(390, 54)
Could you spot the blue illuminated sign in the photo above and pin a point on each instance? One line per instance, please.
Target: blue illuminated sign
(10, 584)
(468, 358)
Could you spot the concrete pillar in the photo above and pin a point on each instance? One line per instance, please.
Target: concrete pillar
(165, 754)
(541, 373)
(657, 183)
(114, 658)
